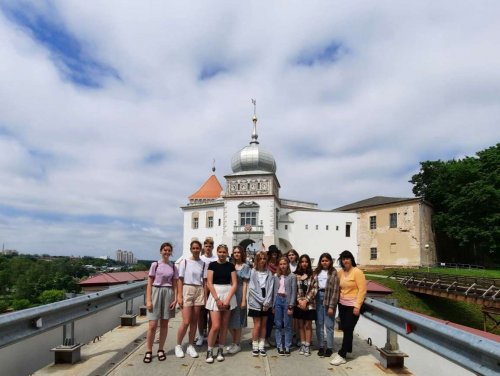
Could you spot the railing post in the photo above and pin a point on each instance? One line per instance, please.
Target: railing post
(128, 319)
(68, 352)
(390, 355)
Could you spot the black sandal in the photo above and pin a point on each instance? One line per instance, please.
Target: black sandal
(162, 356)
(148, 357)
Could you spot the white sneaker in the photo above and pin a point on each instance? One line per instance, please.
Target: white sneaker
(228, 348)
(234, 349)
(338, 360)
(220, 355)
(191, 351)
(179, 353)
(301, 350)
(210, 357)
(199, 341)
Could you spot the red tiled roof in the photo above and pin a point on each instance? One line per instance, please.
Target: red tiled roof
(114, 278)
(211, 189)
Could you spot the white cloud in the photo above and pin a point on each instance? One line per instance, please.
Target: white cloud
(411, 84)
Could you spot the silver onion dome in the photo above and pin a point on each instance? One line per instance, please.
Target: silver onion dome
(253, 157)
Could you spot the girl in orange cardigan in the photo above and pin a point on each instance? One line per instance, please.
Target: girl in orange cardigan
(352, 295)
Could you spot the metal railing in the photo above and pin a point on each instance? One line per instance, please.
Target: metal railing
(468, 350)
(20, 325)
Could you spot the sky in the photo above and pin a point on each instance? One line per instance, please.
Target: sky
(112, 113)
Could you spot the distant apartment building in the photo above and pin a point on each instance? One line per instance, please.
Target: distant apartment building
(126, 257)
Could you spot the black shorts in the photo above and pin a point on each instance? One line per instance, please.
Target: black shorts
(300, 314)
(258, 313)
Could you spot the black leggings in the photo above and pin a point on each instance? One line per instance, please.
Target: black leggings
(347, 323)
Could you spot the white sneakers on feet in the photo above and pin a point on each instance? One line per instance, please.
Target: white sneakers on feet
(179, 353)
(234, 349)
(338, 360)
(220, 355)
(191, 351)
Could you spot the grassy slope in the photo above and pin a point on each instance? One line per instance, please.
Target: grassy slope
(445, 309)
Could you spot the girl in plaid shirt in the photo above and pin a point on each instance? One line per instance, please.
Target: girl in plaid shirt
(305, 310)
(326, 303)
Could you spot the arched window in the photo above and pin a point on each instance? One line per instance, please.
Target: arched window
(195, 220)
(210, 219)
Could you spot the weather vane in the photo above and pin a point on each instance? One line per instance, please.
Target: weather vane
(213, 165)
(254, 102)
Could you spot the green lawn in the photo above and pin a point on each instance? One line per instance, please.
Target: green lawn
(441, 308)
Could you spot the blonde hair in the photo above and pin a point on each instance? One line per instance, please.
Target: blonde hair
(287, 271)
(260, 255)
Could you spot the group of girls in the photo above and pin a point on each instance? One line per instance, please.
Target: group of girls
(285, 286)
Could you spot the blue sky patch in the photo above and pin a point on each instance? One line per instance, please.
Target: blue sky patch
(328, 54)
(67, 52)
(210, 71)
(155, 158)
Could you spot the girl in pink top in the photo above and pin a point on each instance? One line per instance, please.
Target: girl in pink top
(161, 299)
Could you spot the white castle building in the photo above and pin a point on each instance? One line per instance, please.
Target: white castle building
(250, 211)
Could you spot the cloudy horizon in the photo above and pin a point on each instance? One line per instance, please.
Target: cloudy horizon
(111, 113)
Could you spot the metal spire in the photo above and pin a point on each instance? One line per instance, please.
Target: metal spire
(254, 119)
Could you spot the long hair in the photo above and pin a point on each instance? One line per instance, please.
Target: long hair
(166, 244)
(295, 253)
(195, 242)
(287, 271)
(346, 255)
(243, 254)
(308, 270)
(319, 268)
(256, 263)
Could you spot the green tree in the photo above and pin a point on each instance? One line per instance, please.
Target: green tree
(18, 304)
(465, 195)
(51, 296)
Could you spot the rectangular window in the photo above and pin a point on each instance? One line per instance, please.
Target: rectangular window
(248, 218)
(373, 222)
(219, 221)
(195, 222)
(286, 227)
(393, 220)
(326, 227)
(210, 222)
(307, 227)
(373, 253)
(277, 218)
(336, 228)
(317, 227)
(348, 230)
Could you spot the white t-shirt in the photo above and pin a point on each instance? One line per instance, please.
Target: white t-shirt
(208, 260)
(262, 276)
(322, 279)
(193, 271)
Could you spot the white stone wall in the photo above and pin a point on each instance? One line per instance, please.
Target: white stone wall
(202, 232)
(316, 239)
(266, 218)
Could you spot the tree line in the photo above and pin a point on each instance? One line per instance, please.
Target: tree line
(465, 195)
(30, 280)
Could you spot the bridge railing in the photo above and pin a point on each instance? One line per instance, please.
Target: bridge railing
(472, 352)
(33, 330)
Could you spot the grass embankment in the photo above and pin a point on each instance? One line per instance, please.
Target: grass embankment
(446, 309)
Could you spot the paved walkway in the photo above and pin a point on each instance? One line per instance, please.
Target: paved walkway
(120, 353)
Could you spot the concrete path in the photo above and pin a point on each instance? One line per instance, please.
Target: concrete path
(120, 353)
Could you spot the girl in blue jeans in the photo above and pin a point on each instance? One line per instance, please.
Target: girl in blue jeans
(327, 297)
(285, 294)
